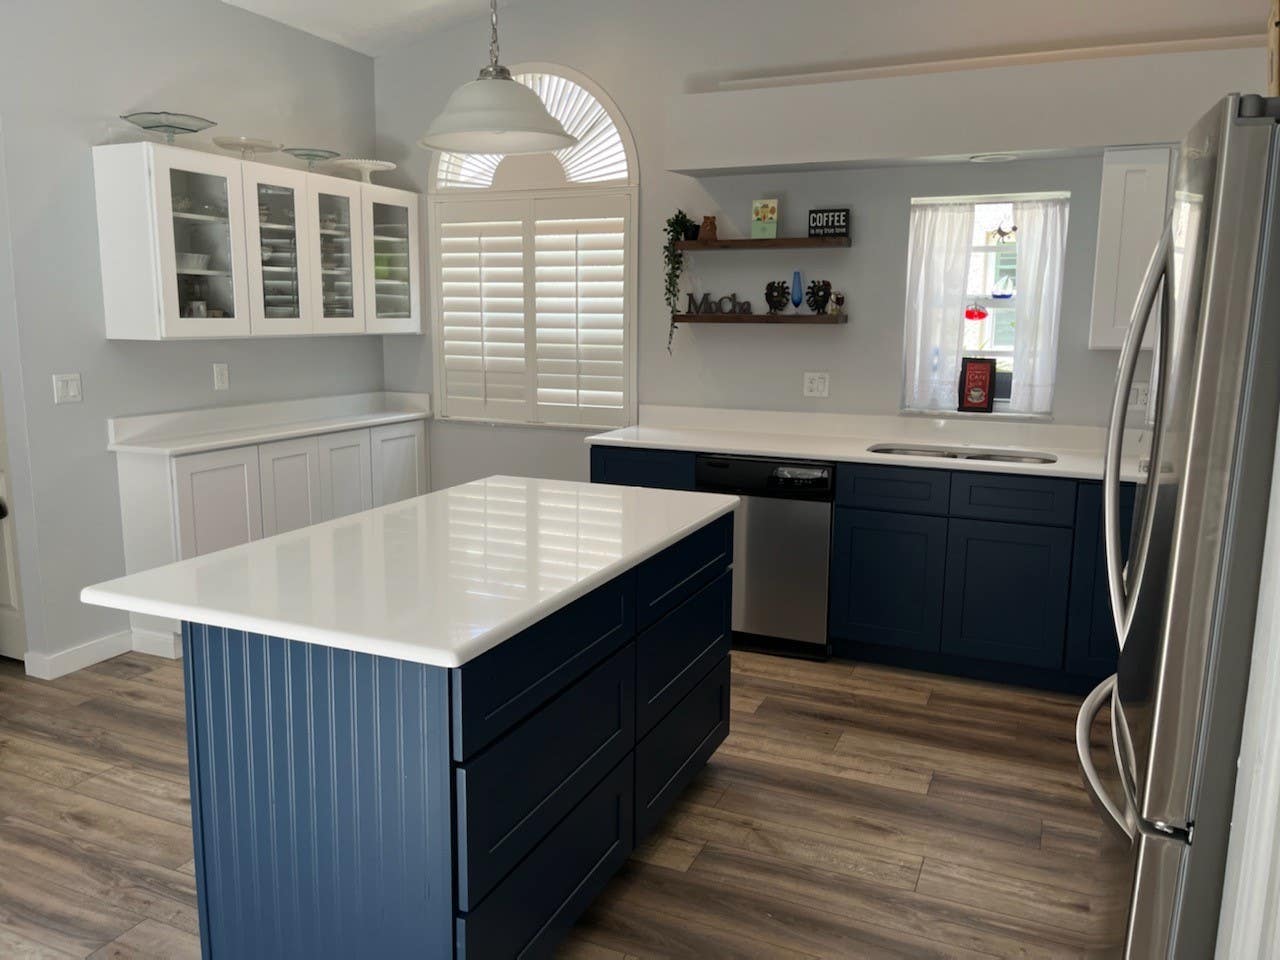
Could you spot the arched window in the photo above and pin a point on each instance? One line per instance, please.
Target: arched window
(533, 270)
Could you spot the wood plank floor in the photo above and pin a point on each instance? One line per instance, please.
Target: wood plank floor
(855, 811)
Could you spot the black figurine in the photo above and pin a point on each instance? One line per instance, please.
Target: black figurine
(777, 294)
(818, 295)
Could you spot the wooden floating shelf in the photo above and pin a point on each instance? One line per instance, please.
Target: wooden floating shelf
(827, 318)
(775, 243)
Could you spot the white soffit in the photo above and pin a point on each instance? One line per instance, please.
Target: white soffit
(371, 26)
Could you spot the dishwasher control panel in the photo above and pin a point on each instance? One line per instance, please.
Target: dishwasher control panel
(761, 477)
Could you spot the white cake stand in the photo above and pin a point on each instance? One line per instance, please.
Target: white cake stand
(364, 167)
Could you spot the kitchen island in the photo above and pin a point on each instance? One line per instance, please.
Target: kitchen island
(437, 728)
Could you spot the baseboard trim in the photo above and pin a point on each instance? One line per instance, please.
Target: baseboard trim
(50, 666)
(157, 643)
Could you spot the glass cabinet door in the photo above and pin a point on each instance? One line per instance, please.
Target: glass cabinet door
(338, 239)
(201, 229)
(280, 295)
(392, 294)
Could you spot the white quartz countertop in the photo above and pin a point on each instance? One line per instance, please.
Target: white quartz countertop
(438, 579)
(1078, 452)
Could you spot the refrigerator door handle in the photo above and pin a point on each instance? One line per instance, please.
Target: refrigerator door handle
(1156, 275)
(1120, 819)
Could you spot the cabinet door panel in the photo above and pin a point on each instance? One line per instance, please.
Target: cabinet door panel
(1092, 648)
(1006, 592)
(290, 472)
(337, 232)
(392, 290)
(399, 462)
(219, 500)
(279, 247)
(887, 578)
(632, 467)
(346, 473)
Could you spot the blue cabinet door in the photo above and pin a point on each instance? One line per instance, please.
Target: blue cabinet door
(1092, 648)
(636, 467)
(1006, 592)
(887, 573)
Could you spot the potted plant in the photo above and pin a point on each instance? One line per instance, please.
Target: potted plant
(677, 226)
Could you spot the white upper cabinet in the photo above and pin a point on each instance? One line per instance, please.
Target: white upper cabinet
(1135, 202)
(339, 235)
(197, 245)
(279, 249)
(392, 295)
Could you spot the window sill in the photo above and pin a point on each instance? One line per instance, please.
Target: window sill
(1001, 415)
(490, 422)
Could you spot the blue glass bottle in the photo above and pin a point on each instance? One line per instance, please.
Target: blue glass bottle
(797, 292)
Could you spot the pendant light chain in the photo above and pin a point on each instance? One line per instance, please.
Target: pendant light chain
(493, 33)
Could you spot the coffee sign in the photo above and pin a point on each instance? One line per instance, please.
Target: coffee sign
(833, 222)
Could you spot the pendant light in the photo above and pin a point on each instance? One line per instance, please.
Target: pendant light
(495, 114)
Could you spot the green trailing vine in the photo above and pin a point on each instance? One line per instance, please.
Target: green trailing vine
(673, 257)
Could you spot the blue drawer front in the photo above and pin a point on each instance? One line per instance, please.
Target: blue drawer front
(900, 489)
(320, 793)
(511, 795)
(1014, 499)
(537, 904)
(665, 581)
(1006, 587)
(679, 746)
(633, 467)
(677, 651)
(498, 689)
(1092, 648)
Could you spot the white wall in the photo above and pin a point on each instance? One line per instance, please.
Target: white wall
(643, 53)
(67, 69)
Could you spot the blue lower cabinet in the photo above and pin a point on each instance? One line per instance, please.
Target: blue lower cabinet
(537, 904)
(636, 467)
(1092, 648)
(1006, 592)
(679, 746)
(887, 573)
(514, 792)
(678, 572)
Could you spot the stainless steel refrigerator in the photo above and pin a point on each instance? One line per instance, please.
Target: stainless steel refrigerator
(1184, 600)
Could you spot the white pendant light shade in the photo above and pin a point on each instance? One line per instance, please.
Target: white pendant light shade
(494, 114)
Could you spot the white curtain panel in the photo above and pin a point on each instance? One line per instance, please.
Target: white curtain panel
(937, 268)
(1042, 239)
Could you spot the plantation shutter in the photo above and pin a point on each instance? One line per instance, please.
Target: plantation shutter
(580, 259)
(483, 309)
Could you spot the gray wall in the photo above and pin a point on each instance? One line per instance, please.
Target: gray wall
(66, 70)
(641, 54)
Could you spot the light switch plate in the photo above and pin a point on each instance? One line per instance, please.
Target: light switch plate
(221, 376)
(66, 388)
(817, 384)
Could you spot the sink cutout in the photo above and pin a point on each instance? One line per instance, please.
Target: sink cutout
(990, 454)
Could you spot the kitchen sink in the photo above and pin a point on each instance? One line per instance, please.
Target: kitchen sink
(962, 453)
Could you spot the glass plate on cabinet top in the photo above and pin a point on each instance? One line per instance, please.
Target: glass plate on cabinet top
(365, 167)
(247, 147)
(312, 155)
(162, 121)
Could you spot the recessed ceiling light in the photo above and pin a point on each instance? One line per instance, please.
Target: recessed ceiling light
(993, 157)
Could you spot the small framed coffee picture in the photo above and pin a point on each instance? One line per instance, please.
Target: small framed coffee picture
(977, 385)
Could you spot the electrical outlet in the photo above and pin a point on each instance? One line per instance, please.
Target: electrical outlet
(221, 376)
(66, 388)
(817, 384)
(1139, 395)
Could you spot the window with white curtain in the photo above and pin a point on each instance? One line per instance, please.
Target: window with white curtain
(533, 267)
(984, 279)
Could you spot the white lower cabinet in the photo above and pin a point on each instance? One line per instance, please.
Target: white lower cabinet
(399, 461)
(346, 473)
(218, 499)
(291, 488)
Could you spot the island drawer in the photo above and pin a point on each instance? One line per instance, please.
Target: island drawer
(1014, 499)
(536, 905)
(677, 651)
(678, 747)
(683, 569)
(503, 686)
(899, 489)
(512, 794)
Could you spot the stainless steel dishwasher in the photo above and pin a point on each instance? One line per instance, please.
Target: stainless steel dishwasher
(781, 549)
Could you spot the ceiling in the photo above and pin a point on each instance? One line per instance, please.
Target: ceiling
(371, 26)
